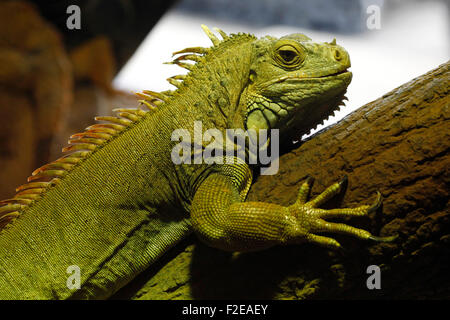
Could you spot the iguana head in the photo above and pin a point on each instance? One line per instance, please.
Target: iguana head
(294, 84)
(291, 83)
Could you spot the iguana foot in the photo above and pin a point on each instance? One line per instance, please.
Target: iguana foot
(309, 219)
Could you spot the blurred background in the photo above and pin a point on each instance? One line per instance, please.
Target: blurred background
(54, 80)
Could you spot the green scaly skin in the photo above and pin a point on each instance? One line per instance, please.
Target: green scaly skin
(117, 202)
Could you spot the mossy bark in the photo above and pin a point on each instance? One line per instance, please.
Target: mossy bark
(399, 145)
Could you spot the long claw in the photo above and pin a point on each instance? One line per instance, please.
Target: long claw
(376, 204)
(343, 183)
(383, 239)
(310, 181)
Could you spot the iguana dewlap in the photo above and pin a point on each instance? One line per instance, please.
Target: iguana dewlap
(117, 201)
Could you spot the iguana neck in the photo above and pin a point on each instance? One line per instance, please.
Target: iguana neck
(213, 88)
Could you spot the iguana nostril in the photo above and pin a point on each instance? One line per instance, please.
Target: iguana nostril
(338, 55)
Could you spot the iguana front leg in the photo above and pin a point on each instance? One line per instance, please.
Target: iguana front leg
(222, 219)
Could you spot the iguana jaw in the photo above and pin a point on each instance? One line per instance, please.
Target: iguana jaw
(297, 128)
(298, 110)
(306, 117)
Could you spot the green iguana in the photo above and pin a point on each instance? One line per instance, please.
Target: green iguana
(117, 201)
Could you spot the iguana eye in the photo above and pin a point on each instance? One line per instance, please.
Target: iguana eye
(288, 55)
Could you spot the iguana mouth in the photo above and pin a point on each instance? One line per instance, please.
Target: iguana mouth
(330, 75)
(297, 77)
(335, 74)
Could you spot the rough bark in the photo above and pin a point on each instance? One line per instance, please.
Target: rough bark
(398, 145)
